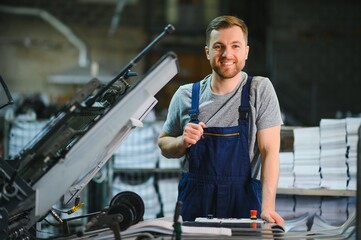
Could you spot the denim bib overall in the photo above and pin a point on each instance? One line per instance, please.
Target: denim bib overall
(219, 181)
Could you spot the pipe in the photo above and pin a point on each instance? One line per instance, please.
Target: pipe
(116, 17)
(58, 25)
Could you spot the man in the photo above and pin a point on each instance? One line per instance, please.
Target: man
(221, 125)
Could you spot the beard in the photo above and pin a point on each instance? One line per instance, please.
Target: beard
(227, 72)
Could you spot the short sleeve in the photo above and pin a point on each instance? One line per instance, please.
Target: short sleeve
(177, 116)
(268, 113)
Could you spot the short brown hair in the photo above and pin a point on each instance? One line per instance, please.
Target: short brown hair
(226, 22)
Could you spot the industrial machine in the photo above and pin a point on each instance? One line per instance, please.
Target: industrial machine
(76, 143)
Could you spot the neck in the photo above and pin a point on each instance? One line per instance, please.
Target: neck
(223, 86)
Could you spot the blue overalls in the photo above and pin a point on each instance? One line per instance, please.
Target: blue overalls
(219, 181)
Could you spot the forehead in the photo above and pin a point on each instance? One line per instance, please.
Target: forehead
(225, 35)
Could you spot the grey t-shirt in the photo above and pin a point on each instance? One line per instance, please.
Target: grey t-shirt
(265, 110)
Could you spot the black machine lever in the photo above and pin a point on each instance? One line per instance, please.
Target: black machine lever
(167, 30)
(177, 225)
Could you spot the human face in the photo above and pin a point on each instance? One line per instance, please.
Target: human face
(227, 51)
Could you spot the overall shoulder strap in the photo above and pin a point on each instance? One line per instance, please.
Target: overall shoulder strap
(193, 112)
(244, 116)
(244, 107)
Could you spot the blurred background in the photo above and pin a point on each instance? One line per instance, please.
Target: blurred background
(309, 49)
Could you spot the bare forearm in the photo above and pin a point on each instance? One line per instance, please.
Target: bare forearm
(269, 179)
(172, 147)
(269, 145)
(176, 147)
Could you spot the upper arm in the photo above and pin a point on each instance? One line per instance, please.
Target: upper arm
(269, 145)
(162, 139)
(163, 134)
(268, 140)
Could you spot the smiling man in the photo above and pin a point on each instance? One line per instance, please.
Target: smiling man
(224, 125)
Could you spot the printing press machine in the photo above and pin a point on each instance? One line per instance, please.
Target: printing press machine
(79, 140)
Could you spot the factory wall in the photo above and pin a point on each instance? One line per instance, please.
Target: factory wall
(309, 49)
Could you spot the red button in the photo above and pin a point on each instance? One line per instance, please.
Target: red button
(253, 214)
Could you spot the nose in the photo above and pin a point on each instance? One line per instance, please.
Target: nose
(225, 52)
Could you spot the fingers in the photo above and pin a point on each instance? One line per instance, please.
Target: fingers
(192, 133)
(267, 217)
(202, 124)
(272, 217)
(279, 220)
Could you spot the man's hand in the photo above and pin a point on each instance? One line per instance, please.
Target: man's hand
(176, 147)
(192, 133)
(272, 217)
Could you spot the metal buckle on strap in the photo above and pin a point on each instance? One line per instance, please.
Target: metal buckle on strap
(194, 117)
(243, 114)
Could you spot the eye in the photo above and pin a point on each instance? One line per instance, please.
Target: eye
(217, 47)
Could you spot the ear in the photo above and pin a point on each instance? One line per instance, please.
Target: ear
(206, 50)
(247, 51)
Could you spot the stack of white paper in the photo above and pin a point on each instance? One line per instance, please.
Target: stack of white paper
(306, 149)
(166, 163)
(351, 205)
(285, 206)
(333, 153)
(139, 149)
(286, 178)
(168, 190)
(169, 163)
(308, 204)
(326, 230)
(334, 210)
(297, 224)
(352, 128)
